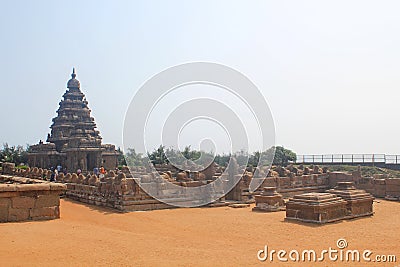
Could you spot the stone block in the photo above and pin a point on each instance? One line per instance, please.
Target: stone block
(395, 193)
(5, 202)
(392, 187)
(306, 180)
(380, 190)
(70, 186)
(9, 194)
(3, 213)
(359, 202)
(33, 187)
(283, 182)
(380, 181)
(4, 205)
(316, 208)
(393, 181)
(15, 215)
(47, 201)
(45, 213)
(58, 187)
(23, 202)
(296, 181)
(322, 180)
(7, 187)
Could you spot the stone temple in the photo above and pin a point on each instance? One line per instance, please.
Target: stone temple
(74, 142)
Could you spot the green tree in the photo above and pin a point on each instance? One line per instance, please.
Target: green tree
(121, 157)
(14, 154)
(283, 156)
(254, 158)
(158, 155)
(190, 154)
(132, 158)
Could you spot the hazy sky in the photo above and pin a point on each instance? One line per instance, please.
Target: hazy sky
(329, 70)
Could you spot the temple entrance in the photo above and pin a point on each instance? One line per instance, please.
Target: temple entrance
(91, 160)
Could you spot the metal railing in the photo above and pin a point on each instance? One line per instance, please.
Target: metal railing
(348, 159)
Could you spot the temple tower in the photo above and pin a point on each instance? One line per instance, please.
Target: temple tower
(74, 141)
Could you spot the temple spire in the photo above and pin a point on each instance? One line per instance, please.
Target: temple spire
(73, 82)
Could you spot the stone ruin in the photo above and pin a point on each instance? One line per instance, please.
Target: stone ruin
(342, 202)
(379, 185)
(120, 189)
(290, 181)
(359, 202)
(87, 187)
(269, 200)
(23, 199)
(316, 208)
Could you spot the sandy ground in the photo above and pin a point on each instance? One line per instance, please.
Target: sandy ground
(87, 235)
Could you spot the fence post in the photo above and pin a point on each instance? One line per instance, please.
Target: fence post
(342, 158)
(322, 158)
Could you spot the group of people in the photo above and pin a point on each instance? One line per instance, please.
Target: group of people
(55, 171)
(100, 172)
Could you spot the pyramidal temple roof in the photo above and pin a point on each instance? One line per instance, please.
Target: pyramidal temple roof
(73, 127)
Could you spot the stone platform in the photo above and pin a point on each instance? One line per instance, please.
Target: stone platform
(359, 202)
(316, 208)
(269, 200)
(23, 199)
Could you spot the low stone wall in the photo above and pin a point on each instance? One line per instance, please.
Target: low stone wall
(287, 186)
(379, 186)
(24, 199)
(383, 188)
(116, 190)
(124, 194)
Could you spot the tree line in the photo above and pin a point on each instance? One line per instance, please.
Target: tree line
(161, 155)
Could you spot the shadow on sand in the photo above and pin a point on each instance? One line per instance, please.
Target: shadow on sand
(101, 209)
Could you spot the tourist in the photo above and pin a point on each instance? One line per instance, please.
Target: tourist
(59, 168)
(65, 171)
(79, 171)
(52, 176)
(55, 175)
(96, 171)
(102, 170)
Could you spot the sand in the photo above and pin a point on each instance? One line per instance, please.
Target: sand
(87, 235)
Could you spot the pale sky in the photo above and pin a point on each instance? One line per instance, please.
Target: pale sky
(329, 70)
